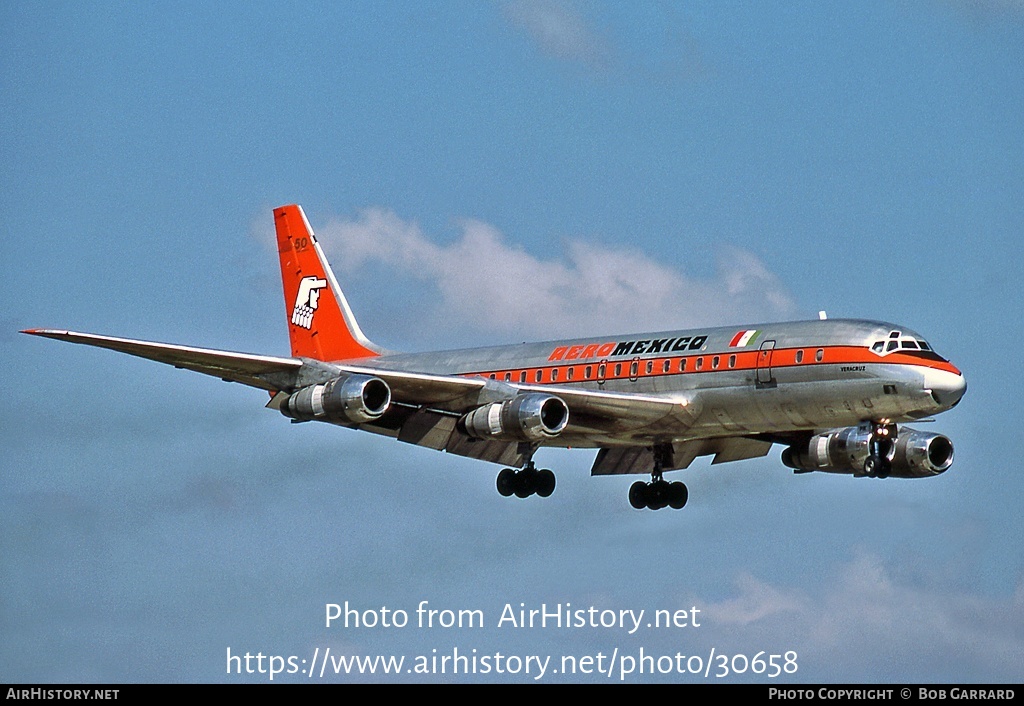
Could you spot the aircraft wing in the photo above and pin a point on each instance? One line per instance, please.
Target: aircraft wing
(246, 368)
(452, 393)
(445, 392)
(425, 405)
(589, 410)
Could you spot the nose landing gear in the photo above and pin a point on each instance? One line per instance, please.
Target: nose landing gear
(882, 447)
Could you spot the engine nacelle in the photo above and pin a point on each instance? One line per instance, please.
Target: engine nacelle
(530, 417)
(921, 454)
(356, 398)
(915, 454)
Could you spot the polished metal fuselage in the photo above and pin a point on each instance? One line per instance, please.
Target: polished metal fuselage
(789, 377)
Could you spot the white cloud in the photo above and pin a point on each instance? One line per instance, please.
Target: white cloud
(558, 28)
(486, 282)
(863, 611)
(755, 601)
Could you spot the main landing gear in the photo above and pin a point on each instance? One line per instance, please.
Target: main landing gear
(659, 492)
(526, 481)
(881, 448)
(529, 479)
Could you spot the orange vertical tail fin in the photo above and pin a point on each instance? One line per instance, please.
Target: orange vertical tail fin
(320, 322)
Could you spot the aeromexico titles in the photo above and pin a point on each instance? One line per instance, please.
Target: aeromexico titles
(833, 393)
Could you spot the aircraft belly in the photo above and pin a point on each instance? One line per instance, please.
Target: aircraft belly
(794, 406)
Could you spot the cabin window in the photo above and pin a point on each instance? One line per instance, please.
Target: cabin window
(522, 376)
(715, 361)
(820, 355)
(588, 371)
(568, 373)
(554, 375)
(799, 356)
(618, 369)
(666, 366)
(632, 369)
(508, 377)
(650, 367)
(732, 361)
(540, 375)
(600, 371)
(682, 365)
(700, 363)
(493, 376)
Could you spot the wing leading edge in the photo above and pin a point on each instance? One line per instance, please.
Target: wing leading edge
(262, 371)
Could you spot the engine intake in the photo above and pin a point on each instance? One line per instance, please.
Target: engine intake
(356, 398)
(915, 454)
(529, 417)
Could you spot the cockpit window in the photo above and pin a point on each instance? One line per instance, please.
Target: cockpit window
(898, 341)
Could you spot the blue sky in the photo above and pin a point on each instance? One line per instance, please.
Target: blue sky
(484, 173)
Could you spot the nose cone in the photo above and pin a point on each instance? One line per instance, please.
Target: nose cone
(946, 387)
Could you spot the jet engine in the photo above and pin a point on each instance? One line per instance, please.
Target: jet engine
(355, 398)
(913, 454)
(530, 417)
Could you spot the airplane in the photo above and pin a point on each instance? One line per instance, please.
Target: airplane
(833, 392)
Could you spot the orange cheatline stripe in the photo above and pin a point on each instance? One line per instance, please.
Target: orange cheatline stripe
(745, 361)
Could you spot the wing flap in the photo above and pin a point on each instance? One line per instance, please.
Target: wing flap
(436, 430)
(428, 428)
(639, 460)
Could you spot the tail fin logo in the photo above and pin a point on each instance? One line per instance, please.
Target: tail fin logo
(307, 301)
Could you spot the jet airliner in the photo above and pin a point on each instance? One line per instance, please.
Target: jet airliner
(834, 393)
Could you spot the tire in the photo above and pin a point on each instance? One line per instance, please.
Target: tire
(525, 483)
(638, 495)
(506, 482)
(677, 495)
(884, 468)
(657, 495)
(545, 482)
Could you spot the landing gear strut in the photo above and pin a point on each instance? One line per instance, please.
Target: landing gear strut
(526, 481)
(659, 492)
(881, 447)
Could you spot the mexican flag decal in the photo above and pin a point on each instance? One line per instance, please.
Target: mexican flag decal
(743, 338)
